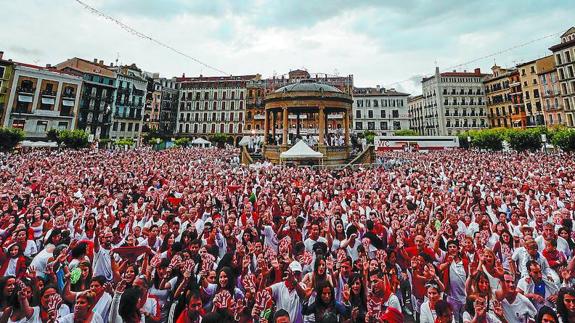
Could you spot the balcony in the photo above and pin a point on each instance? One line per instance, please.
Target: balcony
(29, 90)
(49, 93)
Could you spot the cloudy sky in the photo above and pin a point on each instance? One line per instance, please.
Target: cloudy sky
(388, 42)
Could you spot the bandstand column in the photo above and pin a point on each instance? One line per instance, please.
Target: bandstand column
(346, 127)
(285, 126)
(321, 127)
(297, 124)
(274, 125)
(266, 126)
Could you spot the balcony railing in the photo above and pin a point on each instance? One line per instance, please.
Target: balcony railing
(48, 93)
(26, 90)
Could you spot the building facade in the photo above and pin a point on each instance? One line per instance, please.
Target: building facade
(383, 111)
(210, 105)
(549, 88)
(130, 101)
(504, 98)
(98, 93)
(6, 73)
(42, 99)
(153, 105)
(453, 102)
(168, 106)
(564, 54)
(529, 78)
(416, 116)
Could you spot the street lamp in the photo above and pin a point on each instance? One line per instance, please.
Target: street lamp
(469, 141)
(544, 141)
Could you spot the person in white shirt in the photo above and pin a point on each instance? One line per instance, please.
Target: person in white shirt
(516, 307)
(83, 310)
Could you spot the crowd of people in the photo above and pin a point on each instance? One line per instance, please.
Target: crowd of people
(186, 235)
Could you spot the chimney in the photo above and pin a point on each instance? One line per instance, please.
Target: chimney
(464, 71)
(101, 62)
(377, 87)
(454, 71)
(48, 66)
(95, 61)
(1, 54)
(111, 64)
(183, 75)
(478, 71)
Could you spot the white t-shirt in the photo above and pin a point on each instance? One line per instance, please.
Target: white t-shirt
(426, 314)
(40, 261)
(96, 318)
(288, 301)
(517, 311)
(103, 264)
(309, 243)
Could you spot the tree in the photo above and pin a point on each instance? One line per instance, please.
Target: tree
(220, 139)
(564, 138)
(369, 136)
(489, 139)
(182, 142)
(10, 137)
(406, 132)
(522, 140)
(54, 135)
(74, 138)
(125, 142)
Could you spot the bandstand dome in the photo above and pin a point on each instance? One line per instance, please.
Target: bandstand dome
(308, 86)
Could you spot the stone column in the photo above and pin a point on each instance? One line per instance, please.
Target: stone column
(266, 126)
(297, 125)
(285, 126)
(274, 125)
(346, 126)
(321, 125)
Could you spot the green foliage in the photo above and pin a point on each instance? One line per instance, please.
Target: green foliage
(406, 132)
(151, 137)
(182, 142)
(54, 135)
(524, 139)
(103, 143)
(369, 136)
(125, 142)
(489, 139)
(220, 138)
(74, 138)
(564, 138)
(10, 137)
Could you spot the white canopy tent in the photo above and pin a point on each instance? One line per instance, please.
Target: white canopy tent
(38, 144)
(300, 151)
(201, 142)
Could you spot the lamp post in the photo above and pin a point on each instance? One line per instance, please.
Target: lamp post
(469, 142)
(544, 141)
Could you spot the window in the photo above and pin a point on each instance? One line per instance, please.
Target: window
(395, 114)
(2, 72)
(396, 125)
(129, 126)
(383, 125)
(558, 59)
(375, 103)
(18, 124)
(122, 126)
(115, 127)
(371, 125)
(358, 125)
(62, 125)
(370, 113)
(41, 126)
(136, 127)
(383, 114)
(358, 114)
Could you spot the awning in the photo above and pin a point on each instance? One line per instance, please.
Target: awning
(67, 103)
(48, 101)
(25, 98)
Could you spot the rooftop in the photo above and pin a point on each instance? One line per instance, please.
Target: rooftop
(308, 86)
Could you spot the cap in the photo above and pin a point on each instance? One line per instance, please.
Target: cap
(295, 266)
